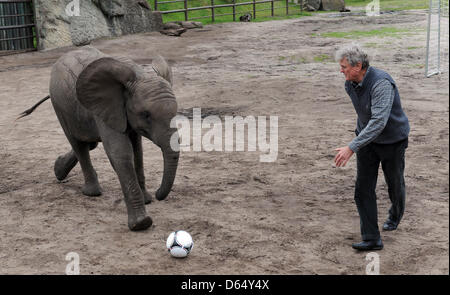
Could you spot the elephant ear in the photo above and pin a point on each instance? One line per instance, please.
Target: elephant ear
(100, 89)
(162, 68)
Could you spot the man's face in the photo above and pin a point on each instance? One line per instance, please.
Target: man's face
(350, 73)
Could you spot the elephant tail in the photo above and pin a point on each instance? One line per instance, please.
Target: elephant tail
(30, 110)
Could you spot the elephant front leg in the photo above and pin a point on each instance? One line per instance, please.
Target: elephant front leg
(136, 141)
(134, 199)
(119, 149)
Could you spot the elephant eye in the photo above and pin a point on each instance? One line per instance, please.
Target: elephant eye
(146, 115)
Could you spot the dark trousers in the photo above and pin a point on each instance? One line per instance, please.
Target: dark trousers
(392, 159)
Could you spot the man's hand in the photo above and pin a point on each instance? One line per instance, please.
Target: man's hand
(343, 155)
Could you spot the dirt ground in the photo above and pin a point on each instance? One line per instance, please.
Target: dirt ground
(293, 216)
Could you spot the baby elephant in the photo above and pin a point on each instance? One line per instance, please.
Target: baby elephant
(99, 98)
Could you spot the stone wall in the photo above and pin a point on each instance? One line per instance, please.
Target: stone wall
(77, 22)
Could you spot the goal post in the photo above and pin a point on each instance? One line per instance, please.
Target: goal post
(437, 38)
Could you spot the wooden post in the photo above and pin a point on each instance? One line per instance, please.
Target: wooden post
(185, 10)
(301, 6)
(254, 9)
(234, 10)
(212, 11)
(271, 6)
(287, 7)
(156, 5)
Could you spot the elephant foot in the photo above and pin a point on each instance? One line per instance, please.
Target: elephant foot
(92, 190)
(147, 197)
(64, 164)
(140, 223)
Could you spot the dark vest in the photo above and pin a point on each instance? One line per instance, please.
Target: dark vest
(397, 127)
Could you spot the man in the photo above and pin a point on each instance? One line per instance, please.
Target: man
(382, 137)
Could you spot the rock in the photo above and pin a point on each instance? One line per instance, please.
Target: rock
(308, 8)
(110, 8)
(312, 5)
(144, 4)
(198, 24)
(177, 28)
(315, 5)
(190, 25)
(335, 5)
(173, 32)
(82, 42)
(96, 19)
(171, 26)
(213, 57)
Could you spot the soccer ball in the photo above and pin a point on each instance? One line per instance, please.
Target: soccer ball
(179, 244)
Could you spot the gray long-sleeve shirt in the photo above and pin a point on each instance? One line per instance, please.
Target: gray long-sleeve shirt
(382, 98)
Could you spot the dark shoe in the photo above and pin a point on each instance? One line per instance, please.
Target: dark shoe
(368, 245)
(389, 225)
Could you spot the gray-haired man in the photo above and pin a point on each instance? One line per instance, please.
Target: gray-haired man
(382, 137)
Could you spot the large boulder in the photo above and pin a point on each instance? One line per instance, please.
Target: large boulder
(177, 28)
(335, 5)
(315, 5)
(77, 22)
(311, 5)
(110, 8)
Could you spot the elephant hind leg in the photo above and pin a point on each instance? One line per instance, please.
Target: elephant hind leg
(64, 164)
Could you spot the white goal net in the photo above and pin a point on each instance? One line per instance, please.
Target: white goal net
(437, 38)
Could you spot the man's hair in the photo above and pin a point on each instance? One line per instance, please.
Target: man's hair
(354, 55)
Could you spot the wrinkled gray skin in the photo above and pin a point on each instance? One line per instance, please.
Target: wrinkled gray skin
(98, 98)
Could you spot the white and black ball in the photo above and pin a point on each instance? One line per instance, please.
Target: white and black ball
(179, 244)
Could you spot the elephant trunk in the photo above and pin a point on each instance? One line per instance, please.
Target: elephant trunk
(170, 170)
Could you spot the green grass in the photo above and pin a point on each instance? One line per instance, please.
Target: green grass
(417, 66)
(204, 15)
(322, 58)
(383, 32)
(391, 4)
(293, 59)
(371, 45)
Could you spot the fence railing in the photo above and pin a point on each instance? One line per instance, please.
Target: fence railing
(17, 26)
(214, 7)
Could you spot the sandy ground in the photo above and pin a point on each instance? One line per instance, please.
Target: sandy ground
(293, 216)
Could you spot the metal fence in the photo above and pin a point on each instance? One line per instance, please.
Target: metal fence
(286, 6)
(17, 26)
(437, 38)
